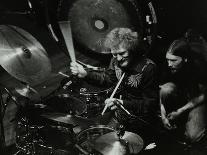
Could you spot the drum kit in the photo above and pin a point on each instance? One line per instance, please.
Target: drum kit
(63, 122)
(67, 120)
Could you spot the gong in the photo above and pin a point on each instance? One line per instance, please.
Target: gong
(92, 20)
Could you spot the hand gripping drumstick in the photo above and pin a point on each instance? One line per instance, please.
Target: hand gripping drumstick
(113, 93)
(67, 34)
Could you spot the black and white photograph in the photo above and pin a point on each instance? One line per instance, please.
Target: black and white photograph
(103, 77)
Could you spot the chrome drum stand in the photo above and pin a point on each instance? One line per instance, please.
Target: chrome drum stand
(28, 138)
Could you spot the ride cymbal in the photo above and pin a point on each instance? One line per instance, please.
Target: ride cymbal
(22, 56)
(110, 143)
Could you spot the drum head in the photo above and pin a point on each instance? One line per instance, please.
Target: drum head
(87, 136)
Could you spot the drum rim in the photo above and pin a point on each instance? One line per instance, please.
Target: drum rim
(95, 127)
(96, 93)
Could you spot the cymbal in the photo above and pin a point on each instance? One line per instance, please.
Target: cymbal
(110, 143)
(28, 92)
(68, 119)
(22, 56)
(92, 20)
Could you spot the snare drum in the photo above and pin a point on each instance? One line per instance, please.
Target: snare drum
(94, 100)
(85, 137)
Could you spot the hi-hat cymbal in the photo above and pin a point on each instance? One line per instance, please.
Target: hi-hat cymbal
(110, 143)
(22, 56)
(28, 92)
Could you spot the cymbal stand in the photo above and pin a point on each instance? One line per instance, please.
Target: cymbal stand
(2, 111)
(28, 141)
(3, 105)
(120, 133)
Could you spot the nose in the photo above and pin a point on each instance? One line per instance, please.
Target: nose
(170, 64)
(119, 57)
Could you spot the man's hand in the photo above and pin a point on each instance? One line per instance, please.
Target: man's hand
(111, 103)
(77, 69)
(167, 124)
(173, 115)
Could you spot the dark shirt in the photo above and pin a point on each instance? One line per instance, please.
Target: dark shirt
(139, 88)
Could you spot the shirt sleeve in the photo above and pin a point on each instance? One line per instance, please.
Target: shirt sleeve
(102, 78)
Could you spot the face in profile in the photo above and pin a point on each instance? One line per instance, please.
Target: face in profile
(121, 54)
(175, 63)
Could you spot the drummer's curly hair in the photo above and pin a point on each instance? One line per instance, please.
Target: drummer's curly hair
(122, 36)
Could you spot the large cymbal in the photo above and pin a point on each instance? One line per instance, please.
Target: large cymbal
(91, 20)
(22, 56)
(110, 143)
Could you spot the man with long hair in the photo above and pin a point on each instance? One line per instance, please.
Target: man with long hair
(183, 97)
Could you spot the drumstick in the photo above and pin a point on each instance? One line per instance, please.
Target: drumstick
(113, 93)
(67, 34)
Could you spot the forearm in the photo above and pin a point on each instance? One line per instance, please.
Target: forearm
(106, 78)
(192, 103)
(163, 111)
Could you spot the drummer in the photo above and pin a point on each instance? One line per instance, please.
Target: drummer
(140, 92)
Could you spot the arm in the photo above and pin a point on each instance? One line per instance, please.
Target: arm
(103, 78)
(194, 102)
(164, 118)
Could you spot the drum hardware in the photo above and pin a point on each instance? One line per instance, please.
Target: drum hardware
(26, 141)
(2, 112)
(32, 138)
